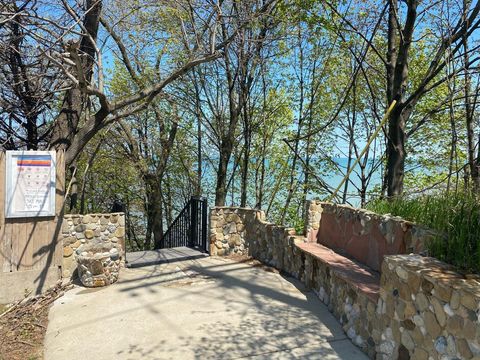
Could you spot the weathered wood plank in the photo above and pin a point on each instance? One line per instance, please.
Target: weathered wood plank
(39, 251)
(2, 241)
(27, 252)
(2, 187)
(56, 225)
(2, 211)
(7, 248)
(19, 241)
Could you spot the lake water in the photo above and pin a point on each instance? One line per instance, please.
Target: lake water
(333, 179)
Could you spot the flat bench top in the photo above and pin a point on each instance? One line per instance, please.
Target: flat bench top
(358, 275)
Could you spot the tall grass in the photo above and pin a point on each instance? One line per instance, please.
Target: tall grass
(455, 217)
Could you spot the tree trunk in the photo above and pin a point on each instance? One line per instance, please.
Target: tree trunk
(74, 102)
(221, 186)
(148, 235)
(454, 139)
(262, 177)
(306, 181)
(363, 195)
(293, 172)
(246, 161)
(157, 225)
(396, 153)
(397, 77)
(349, 163)
(154, 212)
(259, 184)
(73, 188)
(22, 85)
(198, 115)
(469, 115)
(168, 202)
(351, 138)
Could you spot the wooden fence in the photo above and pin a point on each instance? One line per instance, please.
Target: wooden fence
(30, 252)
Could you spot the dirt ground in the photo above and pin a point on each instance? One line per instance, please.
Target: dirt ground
(23, 326)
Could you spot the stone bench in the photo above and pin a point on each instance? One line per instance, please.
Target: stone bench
(350, 290)
(357, 275)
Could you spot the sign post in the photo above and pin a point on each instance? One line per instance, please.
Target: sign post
(30, 184)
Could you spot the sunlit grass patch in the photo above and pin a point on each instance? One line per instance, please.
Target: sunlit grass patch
(456, 217)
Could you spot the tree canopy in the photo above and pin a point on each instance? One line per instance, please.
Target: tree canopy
(256, 103)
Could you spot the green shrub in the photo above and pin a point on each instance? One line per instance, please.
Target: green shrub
(455, 217)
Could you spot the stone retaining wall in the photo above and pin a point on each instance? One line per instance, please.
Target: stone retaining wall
(107, 230)
(423, 309)
(354, 309)
(362, 234)
(427, 310)
(245, 231)
(228, 230)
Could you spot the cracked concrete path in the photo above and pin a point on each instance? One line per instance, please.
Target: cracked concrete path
(211, 308)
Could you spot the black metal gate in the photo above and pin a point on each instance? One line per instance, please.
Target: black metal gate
(190, 227)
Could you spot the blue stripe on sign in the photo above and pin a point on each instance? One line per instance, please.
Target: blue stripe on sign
(34, 157)
(21, 165)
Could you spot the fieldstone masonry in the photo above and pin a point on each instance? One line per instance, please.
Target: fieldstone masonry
(245, 231)
(416, 307)
(427, 310)
(96, 242)
(228, 227)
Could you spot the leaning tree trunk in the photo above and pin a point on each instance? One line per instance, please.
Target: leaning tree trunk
(74, 102)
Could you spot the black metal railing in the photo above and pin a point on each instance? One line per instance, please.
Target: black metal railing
(190, 227)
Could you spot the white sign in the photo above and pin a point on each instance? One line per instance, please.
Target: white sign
(30, 183)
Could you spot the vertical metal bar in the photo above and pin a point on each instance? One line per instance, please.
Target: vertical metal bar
(200, 224)
(198, 241)
(186, 224)
(194, 220)
(204, 225)
(180, 230)
(195, 240)
(186, 230)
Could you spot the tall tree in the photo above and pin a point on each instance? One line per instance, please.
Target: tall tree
(400, 36)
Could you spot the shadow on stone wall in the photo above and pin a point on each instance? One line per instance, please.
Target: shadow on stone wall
(417, 307)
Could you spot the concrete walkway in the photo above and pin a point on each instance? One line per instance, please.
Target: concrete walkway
(160, 256)
(211, 308)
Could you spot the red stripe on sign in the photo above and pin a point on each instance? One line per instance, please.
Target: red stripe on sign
(33, 162)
